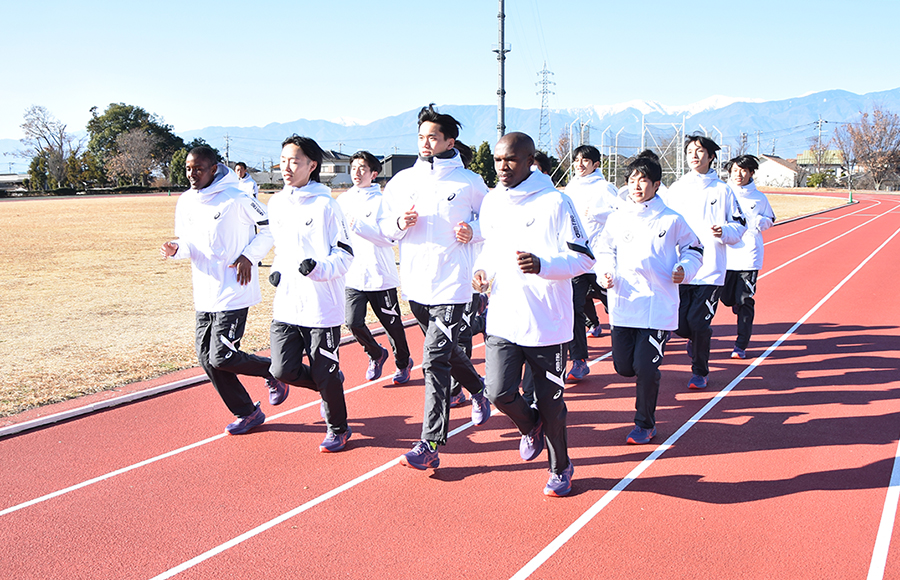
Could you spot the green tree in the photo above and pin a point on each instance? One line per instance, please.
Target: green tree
(46, 137)
(38, 176)
(483, 164)
(177, 168)
(119, 118)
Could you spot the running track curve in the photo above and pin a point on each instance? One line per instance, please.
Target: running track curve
(783, 468)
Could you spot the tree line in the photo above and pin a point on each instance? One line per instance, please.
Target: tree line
(125, 145)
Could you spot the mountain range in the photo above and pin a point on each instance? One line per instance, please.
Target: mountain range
(783, 127)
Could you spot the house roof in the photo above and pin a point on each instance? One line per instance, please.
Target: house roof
(789, 164)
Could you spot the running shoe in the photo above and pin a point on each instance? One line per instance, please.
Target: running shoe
(596, 331)
(401, 376)
(421, 457)
(532, 444)
(690, 348)
(481, 407)
(375, 366)
(579, 371)
(738, 353)
(640, 436)
(278, 391)
(458, 400)
(697, 382)
(335, 441)
(560, 484)
(247, 422)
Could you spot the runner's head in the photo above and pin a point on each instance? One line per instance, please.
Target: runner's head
(301, 160)
(741, 169)
(587, 160)
(700, 152)
(513, 158)
(364, 168)
(437, 132)
(644, 177)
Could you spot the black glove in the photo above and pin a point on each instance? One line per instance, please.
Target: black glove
(275, 278)
(307, 266)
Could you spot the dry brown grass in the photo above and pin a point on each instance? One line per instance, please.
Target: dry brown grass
(89, 304)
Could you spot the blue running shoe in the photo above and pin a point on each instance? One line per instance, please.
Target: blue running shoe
(532, 444)
(697, 382)
(596, 331)
(421, 457)
(375, 366)
(335, 441)
(561, 484)
(738, 353)
(640, 436)
(278, 391)
(401, 376)
(481, 407)
(247, 422)
(458, 400)
(579, 371)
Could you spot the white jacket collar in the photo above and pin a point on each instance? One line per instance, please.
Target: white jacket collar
(589, 179)
(537, 182)
(705, 180)
(311, 189)
(439, 166)
(224, 179)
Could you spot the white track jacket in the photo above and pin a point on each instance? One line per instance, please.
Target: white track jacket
(308, 223)
(705, 201)
(434, 267)
(640, 246)
(747, 254)
(533, 217)
(248, 185)
(374, 266)
(214, 226)
(595, 199)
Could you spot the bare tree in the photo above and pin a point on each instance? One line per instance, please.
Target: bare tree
(876, 143)
(45, 135)
(562, 153)
(135, 158)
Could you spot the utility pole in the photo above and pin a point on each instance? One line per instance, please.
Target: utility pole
(227, 144)
(757, 142)
(501, 62)
(545, 133)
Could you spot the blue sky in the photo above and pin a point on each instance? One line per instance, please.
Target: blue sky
(198, 64)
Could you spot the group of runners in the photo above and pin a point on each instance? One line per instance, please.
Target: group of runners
(658, 259)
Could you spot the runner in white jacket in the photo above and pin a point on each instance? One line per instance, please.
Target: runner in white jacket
(534, 245)
(216, 224)
(246, 184)
(594, 198)
(710, 209)
(744, 259)
(431, 210)
(312, 255)
(372, 277)
(645, 251)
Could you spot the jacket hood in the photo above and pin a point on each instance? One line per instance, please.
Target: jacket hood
(594, 177)
(312, 188)
(224, 178)
(537, 182)
(704, 180)
(438, 165)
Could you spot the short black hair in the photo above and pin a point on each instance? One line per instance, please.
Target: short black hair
(750, 162)
(370, 160)
(449, 126)
(240, 164)
(649, 154)
(542, 161)
(205, 153)
(311, 149)
(587, 152)
(704, 142)
(646, 166)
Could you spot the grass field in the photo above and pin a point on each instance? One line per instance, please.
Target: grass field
(90, 305)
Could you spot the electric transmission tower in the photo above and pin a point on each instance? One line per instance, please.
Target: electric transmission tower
(545, 133)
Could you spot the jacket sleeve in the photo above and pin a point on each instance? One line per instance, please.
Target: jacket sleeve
(182, 231)
(340, 254)
(389, 213)
(254, 213)
(367, 227)
(766, 218)
(605, 250)
(735, 224)
(690, 250)
(574, 256)
(479, 191)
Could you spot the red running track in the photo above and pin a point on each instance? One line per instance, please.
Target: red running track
(783, 468)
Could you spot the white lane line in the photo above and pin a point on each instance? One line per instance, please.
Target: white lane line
(825, 222)
(886, 527)
(300, 509)
(820, 246)
(595, 509)
(174, 452)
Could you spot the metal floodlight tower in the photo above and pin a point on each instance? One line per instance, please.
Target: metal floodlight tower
(501, 51)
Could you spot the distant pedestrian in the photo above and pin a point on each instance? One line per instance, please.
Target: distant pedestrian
(246, 184)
